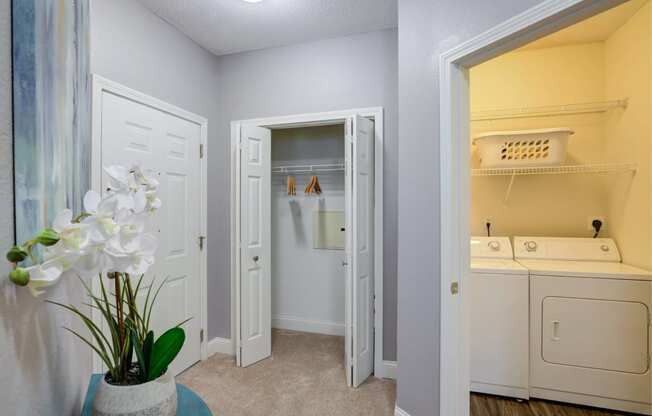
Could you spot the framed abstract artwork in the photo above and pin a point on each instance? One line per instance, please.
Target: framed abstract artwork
(51, 108)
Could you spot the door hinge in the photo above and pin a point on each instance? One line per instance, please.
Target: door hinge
(201, 151)
(201, 335)
(201, 242)
(455, 288)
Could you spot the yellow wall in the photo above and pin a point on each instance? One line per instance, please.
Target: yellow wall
(627, 74)
(541, 205)
(619, 67)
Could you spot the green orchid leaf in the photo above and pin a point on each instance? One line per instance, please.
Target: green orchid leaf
(147, 348)
(165, 350)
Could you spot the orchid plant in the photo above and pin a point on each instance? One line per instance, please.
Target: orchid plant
(108, 240)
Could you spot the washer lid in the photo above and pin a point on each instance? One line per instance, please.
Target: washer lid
(564, 248)
(594, 269)
(491, 248)
(502, 266)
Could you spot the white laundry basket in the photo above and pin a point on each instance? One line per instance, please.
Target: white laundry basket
(504, 149)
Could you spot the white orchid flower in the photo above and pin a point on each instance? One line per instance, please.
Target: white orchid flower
(72, 236)
(101, 222)
(135, 260)
(153, 202)
(120, 177)
(111, 235)
(44, 275)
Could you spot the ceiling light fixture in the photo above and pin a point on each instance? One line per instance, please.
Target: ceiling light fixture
(252, 1)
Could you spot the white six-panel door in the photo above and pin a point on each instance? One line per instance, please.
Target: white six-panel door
(255, 246)
(362, 315)
(135, 133)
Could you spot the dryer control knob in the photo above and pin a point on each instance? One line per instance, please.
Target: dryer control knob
(494, 245)
(530, 246)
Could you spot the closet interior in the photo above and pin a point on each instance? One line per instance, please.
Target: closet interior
(308, 272)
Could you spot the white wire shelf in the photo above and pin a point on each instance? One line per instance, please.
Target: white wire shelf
(548, 111)
(555, 170)
(295, 169)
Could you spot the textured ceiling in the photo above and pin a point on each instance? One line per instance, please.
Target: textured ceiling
(229, 26)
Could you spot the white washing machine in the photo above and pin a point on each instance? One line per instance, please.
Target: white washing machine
(499, 319)
(590, 323)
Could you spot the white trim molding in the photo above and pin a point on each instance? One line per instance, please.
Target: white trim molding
(295, 323)
(541, 20)
(400, 412)
(388, 370)
(219, 346)
(100, 85)
(304, 120)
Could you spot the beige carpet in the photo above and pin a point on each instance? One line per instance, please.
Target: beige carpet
(304, 377)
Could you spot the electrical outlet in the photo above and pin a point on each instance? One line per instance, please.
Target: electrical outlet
(589, 223)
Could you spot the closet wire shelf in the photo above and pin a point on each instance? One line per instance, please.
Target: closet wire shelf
(548, 111)
(554, 170)
(557, 170)
(295, 169)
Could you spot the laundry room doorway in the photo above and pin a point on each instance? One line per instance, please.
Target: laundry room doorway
(324, 275)
(497, 155)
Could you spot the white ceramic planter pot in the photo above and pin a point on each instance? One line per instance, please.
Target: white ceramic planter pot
(154, 398)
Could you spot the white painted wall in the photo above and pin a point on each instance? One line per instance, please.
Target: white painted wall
(44, 369)
(307, 284)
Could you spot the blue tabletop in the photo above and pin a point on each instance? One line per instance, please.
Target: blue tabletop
(188, 403)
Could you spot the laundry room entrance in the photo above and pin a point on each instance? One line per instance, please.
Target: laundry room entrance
(307, 240)
(551, 145)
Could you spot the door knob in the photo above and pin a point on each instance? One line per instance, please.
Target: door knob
(256, 258)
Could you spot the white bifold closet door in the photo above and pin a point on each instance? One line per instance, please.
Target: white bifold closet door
(360, 302)
(255, 297)
(253, 290)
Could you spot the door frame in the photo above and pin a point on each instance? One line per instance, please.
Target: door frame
(100, 85)
(454, 181)
(306, 120)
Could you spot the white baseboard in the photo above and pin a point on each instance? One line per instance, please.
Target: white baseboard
(388, 370)
(219, 345)
(400, 412)
(294, 323)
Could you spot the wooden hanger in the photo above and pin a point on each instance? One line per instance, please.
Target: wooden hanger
(292, 186)
(313, 186)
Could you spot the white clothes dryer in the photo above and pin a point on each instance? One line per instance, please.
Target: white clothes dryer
(589, 323)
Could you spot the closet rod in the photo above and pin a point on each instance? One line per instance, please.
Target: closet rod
(548, 111)
(331, 167)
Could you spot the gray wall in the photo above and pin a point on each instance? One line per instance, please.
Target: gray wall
(134, 47)
(335, 74)
(426, 29)
(44, 369)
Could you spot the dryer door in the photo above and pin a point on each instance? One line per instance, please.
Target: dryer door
(593, 333)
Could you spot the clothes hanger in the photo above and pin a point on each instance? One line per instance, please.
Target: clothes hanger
(292, 186)
(313, 186)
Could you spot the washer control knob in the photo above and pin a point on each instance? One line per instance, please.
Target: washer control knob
(530, 246)
(494, 245)
(604, 248)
